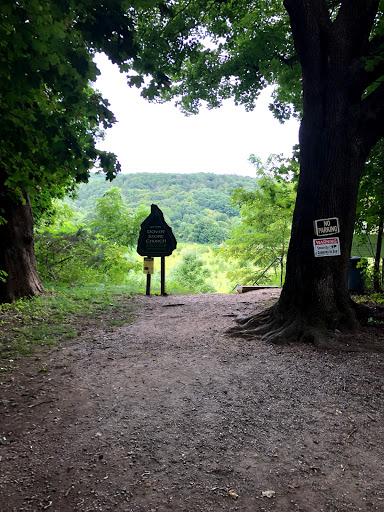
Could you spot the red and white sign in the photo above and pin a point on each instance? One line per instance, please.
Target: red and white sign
(326, 247)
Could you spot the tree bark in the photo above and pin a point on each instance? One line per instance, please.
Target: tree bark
(17, 255)
(315, 301)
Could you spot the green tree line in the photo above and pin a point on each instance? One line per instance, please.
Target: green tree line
(197, 205)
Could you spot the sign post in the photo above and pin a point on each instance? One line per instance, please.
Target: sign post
(148, 287)
(156, 239)
(148, 269)
(162, 272)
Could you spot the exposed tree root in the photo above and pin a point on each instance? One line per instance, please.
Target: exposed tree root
(254, 320)
(274, 327)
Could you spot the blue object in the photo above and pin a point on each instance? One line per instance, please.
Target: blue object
(356, 281)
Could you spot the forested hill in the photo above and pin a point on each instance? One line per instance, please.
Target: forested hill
(196, 204)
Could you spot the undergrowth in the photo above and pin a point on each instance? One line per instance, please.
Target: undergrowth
(374, 298)
(373, 307)
(61, 313)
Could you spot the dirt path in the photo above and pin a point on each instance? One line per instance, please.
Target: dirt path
(170, 414)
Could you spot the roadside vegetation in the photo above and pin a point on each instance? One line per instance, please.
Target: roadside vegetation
(61, 313)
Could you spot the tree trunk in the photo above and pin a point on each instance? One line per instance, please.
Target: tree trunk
(315, 301)
(315, 297)
(376, 267)
(17, 255)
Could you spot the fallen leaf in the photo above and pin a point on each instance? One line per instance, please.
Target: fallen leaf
(233, 494)
(268, 494)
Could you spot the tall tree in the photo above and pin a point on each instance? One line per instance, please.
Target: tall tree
(327, 59)
(50, 117)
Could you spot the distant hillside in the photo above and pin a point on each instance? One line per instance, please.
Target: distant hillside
(196, 205)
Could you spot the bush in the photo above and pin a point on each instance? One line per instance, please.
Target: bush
(78, 256)
(191, 274)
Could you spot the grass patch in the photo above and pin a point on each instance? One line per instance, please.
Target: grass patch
(119, 323)
(64, 312)
(373, 307)
(374, 298)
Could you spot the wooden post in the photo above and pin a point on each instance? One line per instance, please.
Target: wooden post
(148, 290)
(163, 275)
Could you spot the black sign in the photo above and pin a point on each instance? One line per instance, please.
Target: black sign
(327, 227)
(156, 237)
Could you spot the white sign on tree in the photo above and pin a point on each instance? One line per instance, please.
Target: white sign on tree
(326, 247)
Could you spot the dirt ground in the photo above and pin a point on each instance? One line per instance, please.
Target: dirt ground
(169, 413)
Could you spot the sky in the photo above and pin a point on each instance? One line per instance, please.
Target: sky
(150, 137)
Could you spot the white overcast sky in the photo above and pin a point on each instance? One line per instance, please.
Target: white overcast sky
(151, 137)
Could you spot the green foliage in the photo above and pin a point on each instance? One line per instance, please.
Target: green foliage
(365, 245)
(370, 206)
(61, 313)
(206, 231)
(185, 199)
(369, 226)
(51, 118)
(266, 215)
(210, 52)
(373, 299)
(81, 257)
(88, 251)
(113, 220)
(198, 52)
(367, 273)
(69, 249)
(192, 274)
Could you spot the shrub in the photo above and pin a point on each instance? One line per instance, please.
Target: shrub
(191, 274)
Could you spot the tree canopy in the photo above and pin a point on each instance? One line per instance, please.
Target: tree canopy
(51, 118)
(210, 51)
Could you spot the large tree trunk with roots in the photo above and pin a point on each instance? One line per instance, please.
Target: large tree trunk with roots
(17, 255)
(334, 143)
